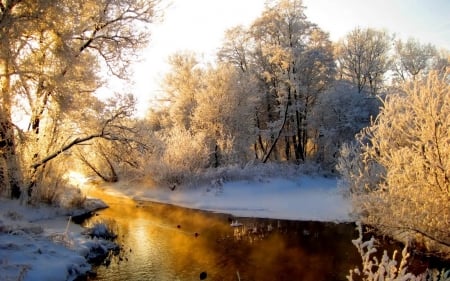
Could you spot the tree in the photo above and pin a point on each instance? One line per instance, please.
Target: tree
(287, 63)
(109, 157)
(236, 47)
(182, 85)
(401, 180)
(113, 129)
(314, 74)
(412, 58)
(363, 58)
(224, 114)
(50, 53)
(277, 34)
(340, 113)
(294, 61)
(441, 64)
(211, 104)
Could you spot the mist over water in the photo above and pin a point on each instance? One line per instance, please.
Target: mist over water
(163, 242)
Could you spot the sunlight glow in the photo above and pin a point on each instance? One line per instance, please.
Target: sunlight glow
(199, 25)
(76, 178)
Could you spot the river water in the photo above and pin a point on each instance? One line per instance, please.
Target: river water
(164, 242)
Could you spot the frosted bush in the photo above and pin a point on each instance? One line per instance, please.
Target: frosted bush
(358, 175)
(54, 189)
(400, 178)
(183, 155)
(185, 160)
(105, 229)
(387, 268)
(71, 197)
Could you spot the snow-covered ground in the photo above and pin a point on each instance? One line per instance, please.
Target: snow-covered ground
(301, 198)
(38, 243)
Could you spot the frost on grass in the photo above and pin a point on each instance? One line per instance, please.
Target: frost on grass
(388, 268)
(102, 245)
(104, 229)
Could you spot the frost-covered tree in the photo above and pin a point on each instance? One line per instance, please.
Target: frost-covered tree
(315, 73)
(211, 106)
(401, 179)
(363, 58)
(236, 47)
(412, 58)
(121, 153)
(341, 112)
(182, 85)
(224, 114)
(50, 54)
(293, 60)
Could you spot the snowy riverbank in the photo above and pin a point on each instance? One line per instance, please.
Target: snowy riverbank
(39, 243)
(301, 198)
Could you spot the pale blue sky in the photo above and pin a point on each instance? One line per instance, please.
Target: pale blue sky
(199, 25)
(426, 20)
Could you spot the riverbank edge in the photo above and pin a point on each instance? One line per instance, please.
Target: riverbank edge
(48, 229)
(431, 250)
(104, 245)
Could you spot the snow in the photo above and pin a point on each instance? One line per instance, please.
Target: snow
(37, 258)
(302, 198)
(40, 243)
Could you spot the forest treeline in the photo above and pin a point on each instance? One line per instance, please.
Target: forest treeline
(279, 91)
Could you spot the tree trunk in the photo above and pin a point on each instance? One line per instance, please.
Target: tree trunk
(259, 141)
(11, 178)
(287, 148)
(304, 139)
(216, 156)
(301, 145)
(274, 143)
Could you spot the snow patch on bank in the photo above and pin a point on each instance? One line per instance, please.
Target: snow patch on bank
(301, 198)
(40, 243)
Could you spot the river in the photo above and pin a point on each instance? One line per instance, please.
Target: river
(164, 242)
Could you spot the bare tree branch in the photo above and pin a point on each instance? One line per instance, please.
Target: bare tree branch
(65, 148)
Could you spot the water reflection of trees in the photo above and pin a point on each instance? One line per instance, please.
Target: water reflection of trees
(161, 240)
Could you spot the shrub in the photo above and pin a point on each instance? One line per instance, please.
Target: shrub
(400, 180)
(388, 268)
(182, 157)
(104, 229)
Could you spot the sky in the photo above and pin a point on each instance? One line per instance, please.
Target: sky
(199, 26)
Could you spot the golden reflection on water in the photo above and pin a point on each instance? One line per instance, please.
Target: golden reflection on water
(162, 242)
